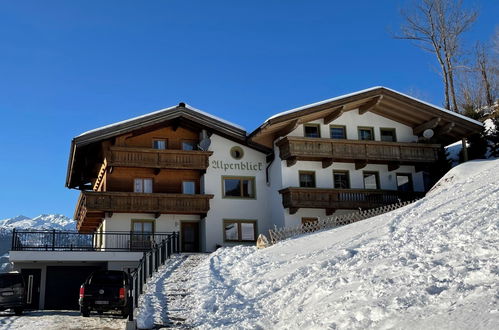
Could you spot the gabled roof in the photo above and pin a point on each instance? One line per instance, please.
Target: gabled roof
(85, 146)
(418, 114)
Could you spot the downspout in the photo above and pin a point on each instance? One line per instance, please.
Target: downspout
(270, 160)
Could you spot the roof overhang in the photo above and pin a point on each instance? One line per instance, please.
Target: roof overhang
(447, 125)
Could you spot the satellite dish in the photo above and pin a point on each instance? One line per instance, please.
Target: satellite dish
(204, 144)
(428, 133)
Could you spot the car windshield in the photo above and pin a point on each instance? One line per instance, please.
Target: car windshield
(107, 278)
(10, 281)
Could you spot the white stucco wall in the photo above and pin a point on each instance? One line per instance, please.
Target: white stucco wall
(352, 120)
(231, 208)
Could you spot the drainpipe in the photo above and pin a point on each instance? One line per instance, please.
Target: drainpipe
(270, 160)
(465, 150)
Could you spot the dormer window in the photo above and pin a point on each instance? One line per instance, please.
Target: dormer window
(312, 130)
(159, 144)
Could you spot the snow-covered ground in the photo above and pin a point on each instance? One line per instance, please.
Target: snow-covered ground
(433, 264)
(166, 300)
(59, 320)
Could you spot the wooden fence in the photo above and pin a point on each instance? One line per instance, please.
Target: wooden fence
(279, 234)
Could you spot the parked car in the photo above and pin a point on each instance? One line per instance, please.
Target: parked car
(12, 292)
(104, 291)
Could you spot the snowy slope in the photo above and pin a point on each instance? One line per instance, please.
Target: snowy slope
(430, 265)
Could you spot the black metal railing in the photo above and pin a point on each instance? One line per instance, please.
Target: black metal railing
(148, 265)
(55, 240)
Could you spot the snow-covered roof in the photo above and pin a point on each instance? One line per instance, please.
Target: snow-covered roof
(368, 90)
(187, 106)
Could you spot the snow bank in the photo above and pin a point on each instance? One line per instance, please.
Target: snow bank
(432, 264)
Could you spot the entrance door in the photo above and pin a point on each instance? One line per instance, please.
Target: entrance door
(190, 236)
(32, 284)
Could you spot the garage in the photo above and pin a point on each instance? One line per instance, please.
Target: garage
(63, 286)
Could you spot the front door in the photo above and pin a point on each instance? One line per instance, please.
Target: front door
(190, 236)
(32, 284)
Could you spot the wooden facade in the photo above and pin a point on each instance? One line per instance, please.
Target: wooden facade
(335, 199)
(293, 148)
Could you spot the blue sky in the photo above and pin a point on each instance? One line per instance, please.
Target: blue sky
(70, 66)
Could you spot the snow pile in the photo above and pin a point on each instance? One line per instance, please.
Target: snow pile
(44, 221)
(431, 264)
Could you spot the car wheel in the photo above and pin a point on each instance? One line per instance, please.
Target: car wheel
(18, 311)
(85, 312)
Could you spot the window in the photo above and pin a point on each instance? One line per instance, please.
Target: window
(238, 187)
(189, 145)
(312, 130)
(159, 144)
(239, 230)
(142, 234)
(366, 133)
(404, 182)
(371, 180)
(237, 152)
(388, 134)
(189, 187)
(338, 132)
(341, 179)
(142, 186)
(307, 179)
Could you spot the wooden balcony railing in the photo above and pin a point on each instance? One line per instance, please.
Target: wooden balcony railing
(93, 204)
(154, 158)
(333, 199)
(377, 152)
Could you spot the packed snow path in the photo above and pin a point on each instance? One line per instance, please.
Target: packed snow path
(60, 320)
(167, 301)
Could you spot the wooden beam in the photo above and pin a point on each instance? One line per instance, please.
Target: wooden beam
(327, 162)
(291, 161)
(293, 210)
(360, 164)
(447, 128)
(330, 211)
(333, 114)
(431, 124)
(157, 215)
(287, 129)
(157, 171)
(369, 105)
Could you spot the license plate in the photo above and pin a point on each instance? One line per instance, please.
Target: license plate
(9, 293)
(102, 302)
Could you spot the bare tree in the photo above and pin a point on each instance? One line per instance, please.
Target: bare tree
(436, 26)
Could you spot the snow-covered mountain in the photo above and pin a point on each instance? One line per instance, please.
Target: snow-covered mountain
(44, 221)
(430, 265)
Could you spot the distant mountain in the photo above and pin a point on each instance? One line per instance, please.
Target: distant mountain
(44, 221)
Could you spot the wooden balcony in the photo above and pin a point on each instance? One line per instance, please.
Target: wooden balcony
(154, 158)
(334, 199)
(354, 151)
(92, 205)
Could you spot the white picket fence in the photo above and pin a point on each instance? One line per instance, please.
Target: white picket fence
(279, 234)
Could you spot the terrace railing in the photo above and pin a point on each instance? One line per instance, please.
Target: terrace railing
(55, 240)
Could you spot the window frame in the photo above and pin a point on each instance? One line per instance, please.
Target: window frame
(318, 126)
(142, 221)
(338, 126)
(160, 139)
(239, 231)
(394, 130)
(359, 128)
(411, 182)
(241, 178)
(307, 172)
(347, 176)
(143, 192)
(376, 174)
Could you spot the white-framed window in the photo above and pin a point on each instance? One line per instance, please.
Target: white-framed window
(142, 185)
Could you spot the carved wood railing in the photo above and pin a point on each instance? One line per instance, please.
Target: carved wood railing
(301, 148)
(154, 158)
(332, 199)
